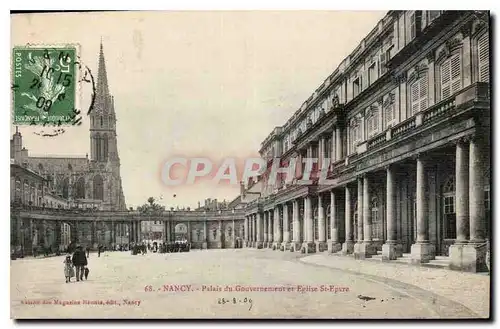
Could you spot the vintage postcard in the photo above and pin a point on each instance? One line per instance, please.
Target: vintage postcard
(250, 165)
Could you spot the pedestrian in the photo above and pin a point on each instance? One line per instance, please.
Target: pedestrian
(88, 251)
(99, 250)
(80, 261)
(69, 271)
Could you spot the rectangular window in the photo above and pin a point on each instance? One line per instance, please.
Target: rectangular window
(451, 76)
(432, 15)
(354, 138)
(412, 25)
(371, 74)
(418, 95)
(356, 87)
(389, 108)
(483, 54)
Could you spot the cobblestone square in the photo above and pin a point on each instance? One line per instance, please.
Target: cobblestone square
(196, 284)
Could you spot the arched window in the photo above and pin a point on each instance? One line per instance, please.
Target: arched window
(70, 167)
(105, 147)
(100, 118)
(450, 72)
(98, 188)
(97, 140)
(419, 94)
(377, 230)
(65, 188)
(483, 57)
(449, 216)
(40, 168)
(80, 188)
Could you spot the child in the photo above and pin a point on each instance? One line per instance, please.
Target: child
(69, 271)
(86, 272)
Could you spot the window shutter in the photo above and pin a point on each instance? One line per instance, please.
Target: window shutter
(445, 80)
(423, 92)
(413, 26)
(456, 70)
(383, 60)
(414, 97)
(484, 58)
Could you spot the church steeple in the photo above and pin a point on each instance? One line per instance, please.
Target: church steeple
(102, 76)
(103, 144)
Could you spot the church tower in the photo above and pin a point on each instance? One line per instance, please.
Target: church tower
(103, 144)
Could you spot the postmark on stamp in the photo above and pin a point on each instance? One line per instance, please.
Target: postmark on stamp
(44, 85)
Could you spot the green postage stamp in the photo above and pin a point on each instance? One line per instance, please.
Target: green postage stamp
(44, 85)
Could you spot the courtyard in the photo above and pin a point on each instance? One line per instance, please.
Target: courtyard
(243, 283)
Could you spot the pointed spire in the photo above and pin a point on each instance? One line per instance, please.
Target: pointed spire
(102, 77)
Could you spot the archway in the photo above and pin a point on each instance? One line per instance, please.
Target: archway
(181, 232)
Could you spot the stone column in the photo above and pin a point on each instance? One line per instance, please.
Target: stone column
(367, 248)
(461, 205)
(233, 236)
(259, 231)
(246, 231)
(390, 249)
(296, 242)
(338, 143)
(270, 235)
(334, 244)
(308, 245)
(278, 228)
(204, 244)
(333, 152)
(169, 231)
(422, 251)
(264, 229)
(251, 228)
(473, 255)
(189, 232)
(321, 153)
(321, 244)
(139, 231)
(93, 232)
(348, 245)
(285, 245)
(359, 242)
(164, 230)
(220, 243)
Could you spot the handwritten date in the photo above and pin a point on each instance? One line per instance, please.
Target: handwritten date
(236, 301)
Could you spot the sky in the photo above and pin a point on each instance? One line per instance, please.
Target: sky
(193, 84)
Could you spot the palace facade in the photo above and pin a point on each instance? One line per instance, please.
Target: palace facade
(405, 122)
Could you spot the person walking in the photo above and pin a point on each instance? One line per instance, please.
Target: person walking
(69, 271)
(80, 261)
(88, 251)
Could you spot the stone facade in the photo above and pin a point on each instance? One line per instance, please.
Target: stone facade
(401, 131)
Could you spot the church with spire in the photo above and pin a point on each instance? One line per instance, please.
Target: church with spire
(88, 180)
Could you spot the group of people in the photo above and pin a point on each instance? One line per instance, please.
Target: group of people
(77, 263)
